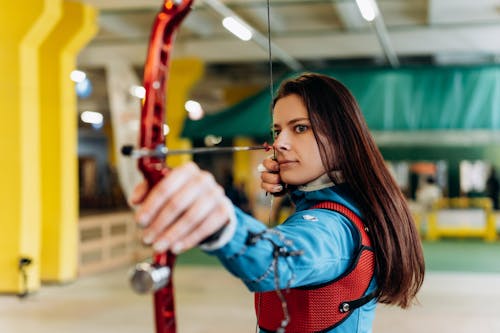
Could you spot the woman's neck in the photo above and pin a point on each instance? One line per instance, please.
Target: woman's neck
(319, 183)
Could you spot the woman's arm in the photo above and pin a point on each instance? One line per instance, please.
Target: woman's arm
(311, 247)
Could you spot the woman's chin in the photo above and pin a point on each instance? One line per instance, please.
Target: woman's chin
(289, 179)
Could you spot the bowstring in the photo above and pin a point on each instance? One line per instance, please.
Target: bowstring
(271, 90)
(270, 54)
(284, 304)
(271, 94)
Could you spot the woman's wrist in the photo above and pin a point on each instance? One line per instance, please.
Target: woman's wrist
(220, 237)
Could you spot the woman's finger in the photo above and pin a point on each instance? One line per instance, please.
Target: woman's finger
(139, 193)
(163, 191)
(271, 165)
(209, 213)
(270, 178)
(196, 214)
(216, 219)
(272, 188)
(271, 181)
(182, 204)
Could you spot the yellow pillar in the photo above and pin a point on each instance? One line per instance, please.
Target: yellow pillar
(183, 74)
(59, 251)
(23, 27)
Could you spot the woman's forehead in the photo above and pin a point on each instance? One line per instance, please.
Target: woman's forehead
(289, 107)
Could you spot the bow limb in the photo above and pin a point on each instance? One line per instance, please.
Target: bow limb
(155, 77)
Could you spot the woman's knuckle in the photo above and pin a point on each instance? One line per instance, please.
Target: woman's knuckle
(175, 204)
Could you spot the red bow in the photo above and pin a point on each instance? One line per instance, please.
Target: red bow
(152, 137)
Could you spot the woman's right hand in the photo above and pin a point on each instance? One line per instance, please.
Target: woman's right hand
(270, 177)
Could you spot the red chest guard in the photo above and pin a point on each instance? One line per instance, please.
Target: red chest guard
(320, 308)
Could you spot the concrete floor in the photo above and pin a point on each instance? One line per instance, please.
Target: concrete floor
(210, 300)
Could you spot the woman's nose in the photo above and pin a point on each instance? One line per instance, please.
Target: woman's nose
(281, 143)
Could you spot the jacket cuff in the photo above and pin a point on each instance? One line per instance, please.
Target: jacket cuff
(225, 236)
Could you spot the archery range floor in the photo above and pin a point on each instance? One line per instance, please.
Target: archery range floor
(210, 300)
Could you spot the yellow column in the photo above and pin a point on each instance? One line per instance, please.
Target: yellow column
(23, 27)
(183, 74)
(59, 141)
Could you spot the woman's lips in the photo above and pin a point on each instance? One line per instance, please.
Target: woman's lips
(286, 164)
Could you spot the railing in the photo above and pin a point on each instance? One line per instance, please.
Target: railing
(109, 241)
(462, 217)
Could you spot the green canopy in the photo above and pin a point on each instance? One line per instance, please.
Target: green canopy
(405, 99)
(248, 118)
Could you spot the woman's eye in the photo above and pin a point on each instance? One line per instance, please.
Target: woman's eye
(276, 133)
(301, 128)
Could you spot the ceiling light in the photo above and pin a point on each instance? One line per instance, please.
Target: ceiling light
(78, 76)
(194, 109)
(84, 88)
(212, 140)
(138, 91)
(237, 28)
(368, 9)
(92, 117)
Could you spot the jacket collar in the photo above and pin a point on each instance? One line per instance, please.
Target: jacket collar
(319, 183)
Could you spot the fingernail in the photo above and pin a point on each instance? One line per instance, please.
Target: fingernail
(278, 188)
(148, 239)
(160, 246)
(142, 219)
(177, 248)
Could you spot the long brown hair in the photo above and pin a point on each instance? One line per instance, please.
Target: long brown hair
(346, 144)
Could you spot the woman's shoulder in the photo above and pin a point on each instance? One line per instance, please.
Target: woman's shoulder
(340, 194)
(324, 225)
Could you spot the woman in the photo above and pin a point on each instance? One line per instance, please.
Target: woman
(337, 267)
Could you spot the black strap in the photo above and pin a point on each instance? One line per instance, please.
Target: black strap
(357, 303)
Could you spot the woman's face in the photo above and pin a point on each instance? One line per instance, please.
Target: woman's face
(295, 145)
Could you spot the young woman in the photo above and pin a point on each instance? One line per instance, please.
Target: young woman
(351, 242)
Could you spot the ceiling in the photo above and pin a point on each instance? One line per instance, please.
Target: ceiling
(304, 32)
(304, 29)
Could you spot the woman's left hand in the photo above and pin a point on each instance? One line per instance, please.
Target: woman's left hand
(181, 210)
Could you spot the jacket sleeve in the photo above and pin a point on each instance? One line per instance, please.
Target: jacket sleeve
(311, 247)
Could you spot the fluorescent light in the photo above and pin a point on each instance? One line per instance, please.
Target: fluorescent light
(92, 117)
(78, 76)
(166, 129)
(368, 9)
(237, 28)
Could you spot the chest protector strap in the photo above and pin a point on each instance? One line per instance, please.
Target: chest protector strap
(320, 308)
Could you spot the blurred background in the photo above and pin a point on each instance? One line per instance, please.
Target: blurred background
(426, 74)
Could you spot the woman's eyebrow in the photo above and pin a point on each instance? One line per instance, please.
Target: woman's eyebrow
(293, 121)
(297, 120)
